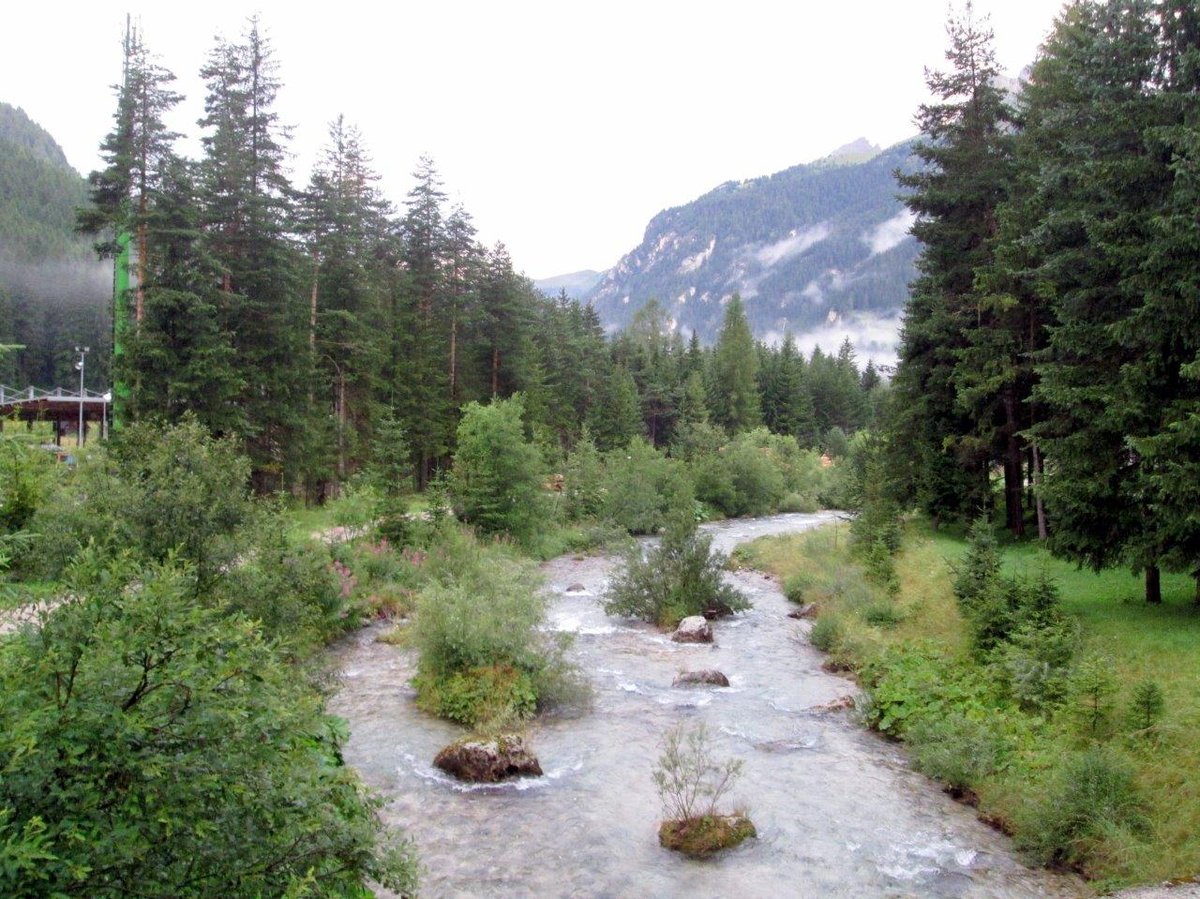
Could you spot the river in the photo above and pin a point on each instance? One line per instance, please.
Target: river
(839, 811)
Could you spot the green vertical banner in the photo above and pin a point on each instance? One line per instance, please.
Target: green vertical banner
(120, 390)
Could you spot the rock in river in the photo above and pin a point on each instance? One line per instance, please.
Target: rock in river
(488, 761)
(709, 676)
(694, 629)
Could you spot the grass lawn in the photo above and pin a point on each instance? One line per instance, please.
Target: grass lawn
(1137, 643)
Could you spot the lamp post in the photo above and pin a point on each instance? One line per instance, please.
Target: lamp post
(82, 351)
(104, 415)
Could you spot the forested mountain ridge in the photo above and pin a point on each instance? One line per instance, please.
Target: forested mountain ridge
(821, 243)
(53, 292)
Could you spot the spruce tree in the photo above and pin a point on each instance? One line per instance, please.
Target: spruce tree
(964, 146)
(733, 390)
(420, 385)
(247, 220)
(344, 223)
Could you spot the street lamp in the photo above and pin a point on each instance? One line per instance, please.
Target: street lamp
(82, 351)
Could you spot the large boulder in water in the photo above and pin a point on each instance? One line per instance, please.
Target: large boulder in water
(489, 761)
(711, 677)
(694, 629)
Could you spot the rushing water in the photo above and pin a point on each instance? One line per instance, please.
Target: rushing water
(839, 812)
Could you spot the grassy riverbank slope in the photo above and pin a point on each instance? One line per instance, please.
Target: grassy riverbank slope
(1099, 775)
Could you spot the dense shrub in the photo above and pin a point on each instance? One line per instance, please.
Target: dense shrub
(827, 633)
(1084, 799)
(681, 576)
(957, 750)
(904, 685)
(25, 478)
(154, 746)
(483, 655)
(154, 491)
(288, 586)
(643, 488)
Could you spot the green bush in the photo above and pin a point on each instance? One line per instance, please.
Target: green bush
(880, 567)
(496, 479)
(288, 587)
(827, 633)
(797, 586)
(906, 685)
(1091, 692)
(757, 482)
(156, 746)
(25, 478)
(483, 653)
(1035, 664)
(488, 696)
(1083, 800)
(881, 613)
(956, 750)
(643, 488)
(681, 576)
(1145, 707)
(155, 491)
(799, 502)
(980, 567)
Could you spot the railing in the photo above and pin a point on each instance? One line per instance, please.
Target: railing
(13, 395)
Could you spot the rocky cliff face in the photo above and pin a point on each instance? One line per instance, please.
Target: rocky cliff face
(821, 249)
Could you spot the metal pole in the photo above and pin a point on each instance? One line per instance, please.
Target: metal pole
(82, 351)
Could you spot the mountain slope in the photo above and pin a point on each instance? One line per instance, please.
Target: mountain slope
(576, 284)
(54, 294)
(814, 247)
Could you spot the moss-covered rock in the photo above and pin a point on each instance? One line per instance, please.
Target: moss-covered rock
(489, 761)
(708, 834)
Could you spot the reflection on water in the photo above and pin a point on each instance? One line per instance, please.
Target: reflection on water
(838, 811)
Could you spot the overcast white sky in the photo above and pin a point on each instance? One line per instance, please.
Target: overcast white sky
(561, 126)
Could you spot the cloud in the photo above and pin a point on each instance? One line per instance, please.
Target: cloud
(792, 245)
(891, 233)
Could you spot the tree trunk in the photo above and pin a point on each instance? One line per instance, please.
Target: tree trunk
(341, 427)
(1043, 531)
(1153, 585)
(139, 295)
(1014, 484)
(495, 369)
(453, 359)
(312, 328)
